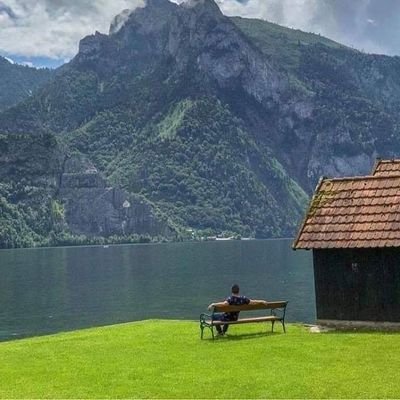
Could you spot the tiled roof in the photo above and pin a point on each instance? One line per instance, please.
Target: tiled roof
(387, 168)
(355, 212)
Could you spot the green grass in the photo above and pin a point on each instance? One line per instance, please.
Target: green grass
(166, 359)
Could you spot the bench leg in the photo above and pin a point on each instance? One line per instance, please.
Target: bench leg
(283, 326)
(272, 325)
(202, 331)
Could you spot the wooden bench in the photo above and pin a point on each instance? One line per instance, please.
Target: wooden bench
(277, 313)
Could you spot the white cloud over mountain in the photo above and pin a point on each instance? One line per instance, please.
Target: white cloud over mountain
(53, 28)
(369, 25)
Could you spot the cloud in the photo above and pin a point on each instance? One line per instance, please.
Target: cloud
(28, 64)
(6, 11)
(53, 28)
(370, 25)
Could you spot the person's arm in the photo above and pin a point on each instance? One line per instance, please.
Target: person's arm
(255, 302)
(222, 303)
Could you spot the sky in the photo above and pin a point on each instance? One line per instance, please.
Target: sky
(47, 32)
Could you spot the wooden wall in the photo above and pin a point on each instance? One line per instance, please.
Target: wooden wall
(357, 284)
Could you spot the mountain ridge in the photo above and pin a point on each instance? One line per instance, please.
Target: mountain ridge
(19, 81)
(217, 123)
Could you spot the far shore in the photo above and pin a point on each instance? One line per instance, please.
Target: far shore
(105, 246)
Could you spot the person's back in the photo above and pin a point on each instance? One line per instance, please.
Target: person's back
(235, 299)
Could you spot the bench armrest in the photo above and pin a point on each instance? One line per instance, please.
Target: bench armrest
(204, 317)
(279, 311)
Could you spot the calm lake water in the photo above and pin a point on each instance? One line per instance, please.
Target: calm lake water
(57, 289)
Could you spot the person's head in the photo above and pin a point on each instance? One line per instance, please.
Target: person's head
(235, 289)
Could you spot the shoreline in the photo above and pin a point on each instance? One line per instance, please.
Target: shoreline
(106, 246)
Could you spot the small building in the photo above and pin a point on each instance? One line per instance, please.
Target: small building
(353, 228)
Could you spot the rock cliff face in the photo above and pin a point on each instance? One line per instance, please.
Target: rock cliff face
(194, 36)
(94, 208)
(197, 35)
(283, 108)
(43, 191)
(183, 117)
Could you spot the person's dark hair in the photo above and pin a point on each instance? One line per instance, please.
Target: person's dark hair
(235, 289)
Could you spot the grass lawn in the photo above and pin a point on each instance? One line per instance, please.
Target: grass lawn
(166, 359)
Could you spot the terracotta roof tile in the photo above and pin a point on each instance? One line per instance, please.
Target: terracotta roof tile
(355, 212)
(387, 168)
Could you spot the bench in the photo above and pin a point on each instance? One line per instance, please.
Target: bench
(277, 313)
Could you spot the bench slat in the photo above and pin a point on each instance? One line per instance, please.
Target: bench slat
(245, 320)
(248, 307)
(206, 320)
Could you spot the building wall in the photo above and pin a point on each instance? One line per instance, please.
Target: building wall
(357, 284)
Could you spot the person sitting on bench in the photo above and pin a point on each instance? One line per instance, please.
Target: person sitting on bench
(235, 299)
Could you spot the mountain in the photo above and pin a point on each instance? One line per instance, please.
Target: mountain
(198, 122)
(350, 107)
(17, 82)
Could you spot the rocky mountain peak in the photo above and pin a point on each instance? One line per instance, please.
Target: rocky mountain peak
(144, 9)
(159, 3)
(155, 13)
(209, 5)
(92, 44)
(193, 35)
(119, 20)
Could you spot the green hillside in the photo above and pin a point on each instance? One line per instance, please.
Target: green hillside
(280, 43)
(186, 121)
(18, 82)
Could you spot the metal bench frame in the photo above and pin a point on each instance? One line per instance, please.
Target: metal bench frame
(277, 313)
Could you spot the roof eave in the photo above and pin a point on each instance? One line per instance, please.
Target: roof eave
(303, 223)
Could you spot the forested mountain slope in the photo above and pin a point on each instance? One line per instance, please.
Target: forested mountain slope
(210, 123)
(17, 82)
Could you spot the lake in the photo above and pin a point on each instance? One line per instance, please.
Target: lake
(58, 289)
